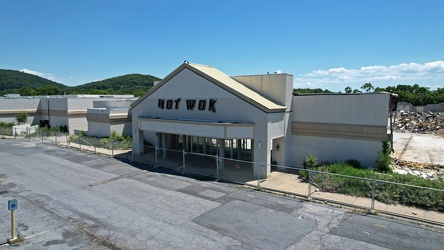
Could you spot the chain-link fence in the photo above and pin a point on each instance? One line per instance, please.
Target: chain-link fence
(376, 195)
(368, 194)
(115, 148)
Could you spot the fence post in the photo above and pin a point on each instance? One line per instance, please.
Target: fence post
(372, 209)
(67, 141)
(94, 143)
(55, 135)
(258, 174)
(217, 167)
(80, 145)
(183, 160)
(155, 155)
(112, 148)
(15, 133)
(42, 135)
(309, 184)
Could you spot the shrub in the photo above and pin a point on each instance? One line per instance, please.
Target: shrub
(388, 192)
(6, 124)
(21, 117)
(354, 163)
(310, 161)
(384, 159)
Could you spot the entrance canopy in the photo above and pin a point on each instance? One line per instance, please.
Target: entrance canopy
(202, 128)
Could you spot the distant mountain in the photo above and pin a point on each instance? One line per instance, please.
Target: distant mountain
(11, 81)
(136, 84)
(17, 82)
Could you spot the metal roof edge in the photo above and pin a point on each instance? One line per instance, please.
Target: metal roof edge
(213, 80)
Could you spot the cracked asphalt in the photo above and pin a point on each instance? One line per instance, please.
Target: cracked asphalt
(69, 199)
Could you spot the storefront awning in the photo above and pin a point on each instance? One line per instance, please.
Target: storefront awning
(202, 128)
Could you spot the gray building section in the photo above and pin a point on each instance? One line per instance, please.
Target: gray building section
(407, 107)
(70, 111)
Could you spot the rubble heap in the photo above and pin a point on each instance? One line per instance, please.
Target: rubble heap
(420, 122)
(425, 170)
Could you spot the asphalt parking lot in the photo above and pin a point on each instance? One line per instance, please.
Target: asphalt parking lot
(75, 200)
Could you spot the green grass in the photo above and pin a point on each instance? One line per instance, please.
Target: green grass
(389, 193)
(115, 142)
(6, 128)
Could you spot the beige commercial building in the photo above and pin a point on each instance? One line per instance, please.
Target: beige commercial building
(256, 118)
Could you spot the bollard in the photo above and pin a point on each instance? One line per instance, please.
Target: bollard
(12, 206)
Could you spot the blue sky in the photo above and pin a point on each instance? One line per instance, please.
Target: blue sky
(324, 43)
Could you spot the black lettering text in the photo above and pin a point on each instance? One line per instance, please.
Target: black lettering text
(202, 104)
(169, 104)
(212, 105)
(177, 101)
(191, 104)
(161, 103)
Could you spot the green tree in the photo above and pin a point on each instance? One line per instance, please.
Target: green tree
(384, 159)
(27, 91)
(348, 90)
(21, 117)
(367, 87)
(49, 90)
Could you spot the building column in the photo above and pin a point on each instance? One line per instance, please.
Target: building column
(164, 145)
(261, 155)
(238, 148)
(138, 148)
(221, 152)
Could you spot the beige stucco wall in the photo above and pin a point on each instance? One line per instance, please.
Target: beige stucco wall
(339, 127)
(229, 108)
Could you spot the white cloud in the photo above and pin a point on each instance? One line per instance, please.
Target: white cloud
(49, 76)
(336, 79)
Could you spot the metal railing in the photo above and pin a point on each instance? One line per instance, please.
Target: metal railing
(375, 195)
(369, 194)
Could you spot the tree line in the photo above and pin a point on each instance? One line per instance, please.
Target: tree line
(16, 82)
(414, 94)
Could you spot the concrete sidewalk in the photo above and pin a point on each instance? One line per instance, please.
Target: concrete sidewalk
(292, 184)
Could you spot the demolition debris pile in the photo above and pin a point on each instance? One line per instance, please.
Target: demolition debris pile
(424, 170)
(420, 122)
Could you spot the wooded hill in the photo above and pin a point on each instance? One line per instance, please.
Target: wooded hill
(16, 82)
(12, 81)
(131, 84)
